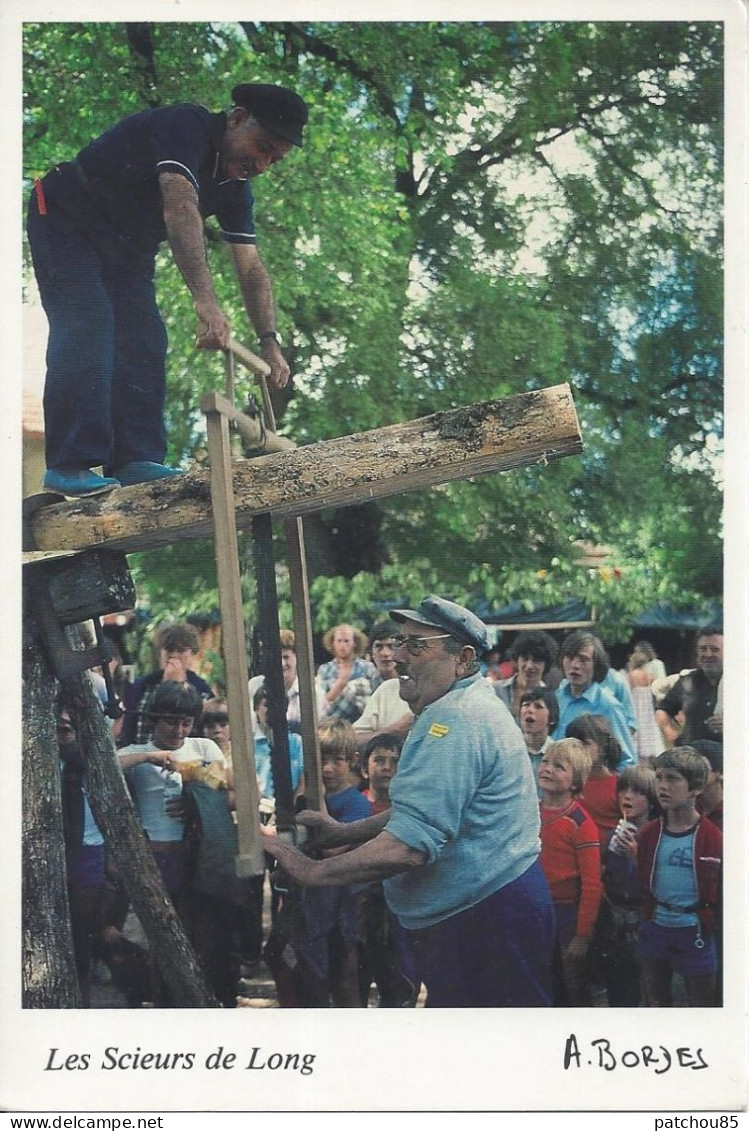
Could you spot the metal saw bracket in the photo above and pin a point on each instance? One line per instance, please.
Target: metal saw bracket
(72, 590)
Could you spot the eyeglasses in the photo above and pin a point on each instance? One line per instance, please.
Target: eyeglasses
(417, 644)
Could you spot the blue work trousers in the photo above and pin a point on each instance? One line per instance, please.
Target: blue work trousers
(106, 355)
(496, 954)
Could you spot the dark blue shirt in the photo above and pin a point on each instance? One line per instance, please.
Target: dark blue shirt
(122, 168)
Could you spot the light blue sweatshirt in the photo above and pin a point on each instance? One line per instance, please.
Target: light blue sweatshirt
(465, 795)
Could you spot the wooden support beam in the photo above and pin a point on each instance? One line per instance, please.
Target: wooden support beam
(250, 860)
(500, 435)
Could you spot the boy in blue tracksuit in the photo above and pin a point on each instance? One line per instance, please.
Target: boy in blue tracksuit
(328, 930)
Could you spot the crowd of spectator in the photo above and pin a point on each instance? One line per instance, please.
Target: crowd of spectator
(625, 768)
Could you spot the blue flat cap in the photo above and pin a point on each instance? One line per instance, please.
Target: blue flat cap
(455, 619)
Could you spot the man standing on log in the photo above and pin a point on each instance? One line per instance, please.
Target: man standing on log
(458, 849)
(94, 227)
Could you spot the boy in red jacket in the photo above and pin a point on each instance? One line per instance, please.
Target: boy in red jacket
(679, 858)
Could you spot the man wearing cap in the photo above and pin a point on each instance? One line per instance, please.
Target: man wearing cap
(95, 225)
(458, 849)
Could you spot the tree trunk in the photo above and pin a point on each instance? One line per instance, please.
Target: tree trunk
(48, 968)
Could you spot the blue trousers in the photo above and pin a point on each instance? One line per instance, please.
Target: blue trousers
(496, 954)
(106, 355)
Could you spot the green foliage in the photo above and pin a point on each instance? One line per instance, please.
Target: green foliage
(362, 600)
(179, 579)
(616, 595)
(479, 209)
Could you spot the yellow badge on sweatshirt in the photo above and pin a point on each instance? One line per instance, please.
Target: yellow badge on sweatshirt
(438, 730)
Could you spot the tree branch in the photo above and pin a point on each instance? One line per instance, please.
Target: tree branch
(140, 43)
(316, 46)
(630, 173)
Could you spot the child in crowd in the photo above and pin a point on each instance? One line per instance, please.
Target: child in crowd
(571, 860)
(385, 956)
(679, 859)
(261, 738)
(154, 774)
(616, 957)
(598, 798)
(539, 716)
(178, 784)
(327, 930)
(341, 774)
(710, 804)
(710, 801)
(214, 724)
(379, 763)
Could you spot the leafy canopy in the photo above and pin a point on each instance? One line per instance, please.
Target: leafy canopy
(479, 209)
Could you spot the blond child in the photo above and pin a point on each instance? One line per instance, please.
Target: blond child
(571, 860)
(327, 931)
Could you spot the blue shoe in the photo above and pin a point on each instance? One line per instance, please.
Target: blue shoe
(143, 471)
(77, 484)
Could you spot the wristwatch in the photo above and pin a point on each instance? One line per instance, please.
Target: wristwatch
(269, 334)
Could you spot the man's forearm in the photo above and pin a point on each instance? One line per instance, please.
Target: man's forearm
(257, 296)
(184, 230)
(358, 832)
(257, 293)
(379, 859)
(327, 832)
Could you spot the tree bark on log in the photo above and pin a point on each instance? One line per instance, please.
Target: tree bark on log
(49, 979)
(493, 436)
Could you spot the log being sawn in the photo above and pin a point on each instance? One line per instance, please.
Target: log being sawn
(499, 435)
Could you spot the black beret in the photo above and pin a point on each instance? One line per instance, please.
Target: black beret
(276, 108)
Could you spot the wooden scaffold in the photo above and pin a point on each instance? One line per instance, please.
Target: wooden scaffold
(75, 570)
